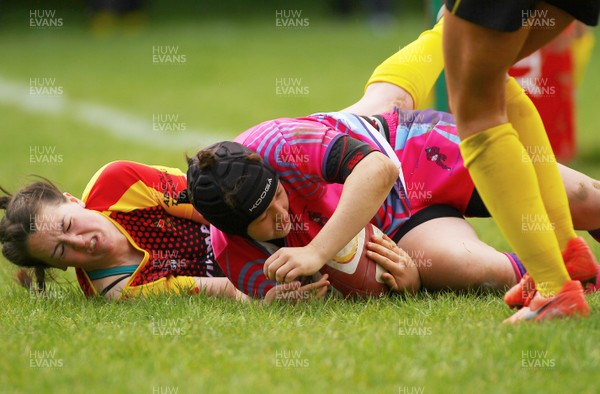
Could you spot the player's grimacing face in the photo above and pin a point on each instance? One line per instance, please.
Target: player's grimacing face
(69, 235)
(274, 222)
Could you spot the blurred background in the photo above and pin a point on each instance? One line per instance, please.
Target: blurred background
(86, 82)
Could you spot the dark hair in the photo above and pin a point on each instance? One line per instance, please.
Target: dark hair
(230, 185)
(206, 159)
(19, 222)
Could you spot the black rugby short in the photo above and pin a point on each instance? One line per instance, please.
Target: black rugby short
(476, 208)
(511, 15)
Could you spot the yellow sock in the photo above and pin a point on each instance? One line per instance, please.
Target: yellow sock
(581, 48)
(524, 117)
(416, 67)
(505, 178)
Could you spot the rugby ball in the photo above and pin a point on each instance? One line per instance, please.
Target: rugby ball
(352, 273)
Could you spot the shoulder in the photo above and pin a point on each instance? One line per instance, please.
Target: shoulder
(280, 130)
(110, 172)
(123, 169)
(122, 174)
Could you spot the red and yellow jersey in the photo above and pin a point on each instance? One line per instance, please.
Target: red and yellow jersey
(149, 205)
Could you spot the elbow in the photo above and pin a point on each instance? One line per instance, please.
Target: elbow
(378, 171)
(389, 172)
(382, 173)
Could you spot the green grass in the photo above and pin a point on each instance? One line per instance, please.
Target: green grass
(227, 85)
(442, 343)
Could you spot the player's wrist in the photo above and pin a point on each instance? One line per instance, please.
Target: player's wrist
(322, 251)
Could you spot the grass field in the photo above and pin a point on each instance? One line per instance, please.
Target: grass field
(109, 90)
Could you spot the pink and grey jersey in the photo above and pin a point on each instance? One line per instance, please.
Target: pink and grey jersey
(308, 154)
(426, 144)
(314, 155)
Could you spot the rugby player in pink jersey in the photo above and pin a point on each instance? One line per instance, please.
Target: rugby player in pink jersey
(286, 193)
(291, 192)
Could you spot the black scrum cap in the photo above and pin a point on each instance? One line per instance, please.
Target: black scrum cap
(249, 183)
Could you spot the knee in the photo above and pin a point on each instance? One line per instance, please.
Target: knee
(481, 268)
(476, 83)
(584, 201)
(578, 197)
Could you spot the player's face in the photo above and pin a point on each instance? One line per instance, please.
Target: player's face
(274, 222)
(68, 235)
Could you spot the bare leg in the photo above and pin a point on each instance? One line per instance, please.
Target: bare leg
(477, 59)
(459, 260)
(584, 198)
(381, 97)
(539, 37)
(449, 255)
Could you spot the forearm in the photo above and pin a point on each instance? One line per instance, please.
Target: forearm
(364, 191)
(220, 287)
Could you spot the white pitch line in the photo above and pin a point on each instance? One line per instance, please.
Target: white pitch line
(115, 121)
